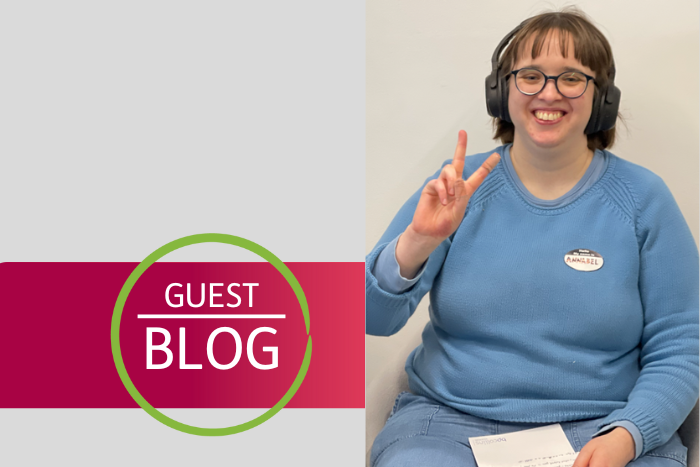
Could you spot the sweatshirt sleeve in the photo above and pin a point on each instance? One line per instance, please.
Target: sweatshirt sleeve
(385, 312)
(633, 430)
(388, 272)
(667, 387)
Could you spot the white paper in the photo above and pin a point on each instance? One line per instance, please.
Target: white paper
(546, 446)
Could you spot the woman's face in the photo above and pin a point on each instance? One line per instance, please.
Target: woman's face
(570, 115)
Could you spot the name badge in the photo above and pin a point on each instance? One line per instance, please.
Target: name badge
(583, 260)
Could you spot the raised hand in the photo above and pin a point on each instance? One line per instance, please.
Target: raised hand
(440, 209)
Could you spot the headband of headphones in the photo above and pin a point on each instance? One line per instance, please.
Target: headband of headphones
(605, 104)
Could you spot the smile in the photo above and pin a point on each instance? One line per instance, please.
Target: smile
(543, 116)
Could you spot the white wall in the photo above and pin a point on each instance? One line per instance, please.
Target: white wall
(426, 65)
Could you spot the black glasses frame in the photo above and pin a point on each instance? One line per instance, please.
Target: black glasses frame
(555, 78)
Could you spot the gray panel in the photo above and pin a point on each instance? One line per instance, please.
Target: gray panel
(126, 125)
(131, 437)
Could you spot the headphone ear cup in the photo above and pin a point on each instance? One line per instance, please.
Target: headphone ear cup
(606, 104)
(505, 112)
(609, 108)
(592, 125)
(493, 97)
(497, 96)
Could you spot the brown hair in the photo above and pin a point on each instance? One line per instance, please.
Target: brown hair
(591, 48)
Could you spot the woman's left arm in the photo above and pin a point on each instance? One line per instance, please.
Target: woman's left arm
(667, 387)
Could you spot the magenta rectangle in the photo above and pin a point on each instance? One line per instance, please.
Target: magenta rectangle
(56, 349)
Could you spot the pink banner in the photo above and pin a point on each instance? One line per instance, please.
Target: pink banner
(235, 340)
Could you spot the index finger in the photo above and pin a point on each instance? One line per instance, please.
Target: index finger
(460, 152)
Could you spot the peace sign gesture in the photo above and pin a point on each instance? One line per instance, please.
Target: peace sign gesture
(440, 209)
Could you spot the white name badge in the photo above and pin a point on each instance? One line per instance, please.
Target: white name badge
(583, 260)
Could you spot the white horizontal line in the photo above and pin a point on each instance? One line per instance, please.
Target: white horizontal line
(211, 316)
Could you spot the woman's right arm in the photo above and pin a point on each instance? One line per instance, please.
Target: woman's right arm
(424, 224)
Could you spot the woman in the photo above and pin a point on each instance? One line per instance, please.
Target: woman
(563, 280)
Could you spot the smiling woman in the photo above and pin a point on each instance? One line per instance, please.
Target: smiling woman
(545, 117)
(579, 53)
(611, 351)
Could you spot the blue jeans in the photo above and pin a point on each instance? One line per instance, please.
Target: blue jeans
(423, 432)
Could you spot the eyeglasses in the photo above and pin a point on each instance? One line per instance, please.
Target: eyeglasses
(570, 84)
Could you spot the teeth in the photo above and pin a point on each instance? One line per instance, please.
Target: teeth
(548, 115)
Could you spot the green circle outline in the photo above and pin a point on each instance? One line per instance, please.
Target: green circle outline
(119, 308)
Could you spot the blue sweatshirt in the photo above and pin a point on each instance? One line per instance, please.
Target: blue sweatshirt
(520, 332)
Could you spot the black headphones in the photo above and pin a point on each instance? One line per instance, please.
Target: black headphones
(605, 104)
